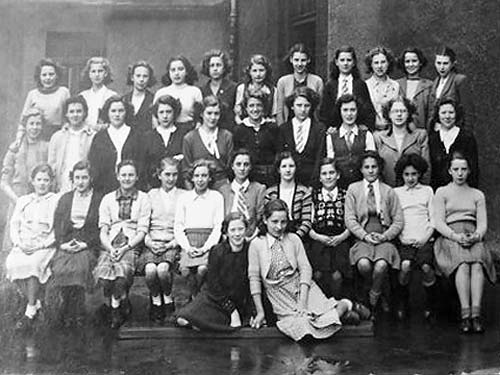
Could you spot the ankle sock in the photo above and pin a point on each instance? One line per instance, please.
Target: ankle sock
(30, 311)
(348, 303)
(115, 302)
(476, 311)
(373, 297)
(465, 312)
(167, 299)
(156, 300)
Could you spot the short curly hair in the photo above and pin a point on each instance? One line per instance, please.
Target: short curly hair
(334, 70)
(376, 51)
(373, 155)
(410, 107)
(78, 99)
(305, 92)
(47, 62)
(417, 51)
(259, 59)
(104, 112)
(203, 163)
(205, 63)
(191, 75)
(412, 159)
(233, 216)
(144, 64)
(167, 100)
(96, 60)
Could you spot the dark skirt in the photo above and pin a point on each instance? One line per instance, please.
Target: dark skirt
(384, 251)
(417, 257)
(330, 259)
(206, 313)
(73, 269)
(450, 254)
(147, 256)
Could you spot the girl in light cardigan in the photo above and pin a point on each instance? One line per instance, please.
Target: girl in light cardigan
(374, 216)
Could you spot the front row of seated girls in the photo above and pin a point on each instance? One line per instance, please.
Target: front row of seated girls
(392, 231)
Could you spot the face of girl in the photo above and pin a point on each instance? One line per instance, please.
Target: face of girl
(81, 180)
(287, 170)
(75, 114)
(328, 176)
(459, 171)
(258, 73)
(97, 74)
(177, 72)
(398, 114)
(276, 223)
(48, 76)
(33, 127)
(165, 115)
(299, 61)
(168, 177)
(412, 64)
(216, 67)
(443, 65)
(369, 169)
(140, 78)
(117, 114)
(380, 65)
(255, 109)
(410, 176)
(211, 116)
(241, 167)
(447, 116)
(41, 183)
(345, 62)
(236, 232)
(201, 178)
(301, 108)
(349, 113)
(127, 177)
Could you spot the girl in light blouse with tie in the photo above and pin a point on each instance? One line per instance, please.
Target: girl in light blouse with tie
(373, 215)
(379, 63)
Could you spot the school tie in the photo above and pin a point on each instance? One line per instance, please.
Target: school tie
(301, 139)
(371, 202)
(348, 139)
(241, 202)
(345, 88)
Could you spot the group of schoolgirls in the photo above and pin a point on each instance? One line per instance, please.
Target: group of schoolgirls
(327, 166)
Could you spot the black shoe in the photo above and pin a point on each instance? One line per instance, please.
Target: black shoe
(465, 326)
(126, 308)
(24, 324)
(477, 325)
(169, 308)
(350, 318)
(156, 314)
(363, 311)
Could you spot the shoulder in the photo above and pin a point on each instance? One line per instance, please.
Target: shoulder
(303, 189)
(283, 80)
(257, 186)
(355, 187)
(442, 191)
(459, 78)
(421, 134)
(315, 78)
(153, 193)
(226, 188)
(478, 194)
(215, 194)
(272, 190)
(425, 83)
(293, 238)
(224, 133)
(259, 242)
(63, 91)
(108, 198)
(192, 134)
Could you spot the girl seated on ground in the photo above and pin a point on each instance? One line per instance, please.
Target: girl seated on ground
(198, 219)
(329, 250)
(222, 303)
(32, 236)
(159, 256)
(415, 241)
(77, 240)
(124, 216)
(277, 259)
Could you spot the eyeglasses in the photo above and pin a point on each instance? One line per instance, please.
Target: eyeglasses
(399, 111)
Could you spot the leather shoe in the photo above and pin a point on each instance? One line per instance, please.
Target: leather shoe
(477, 325)
(465, 326)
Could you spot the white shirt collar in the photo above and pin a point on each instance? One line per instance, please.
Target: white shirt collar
(344, 129)
(196, 196)
(122, 130)
(296, 122)
(327, 194)
(416, 187)
(163, 130)
(235, 186)
(271, 240)
(343, 77)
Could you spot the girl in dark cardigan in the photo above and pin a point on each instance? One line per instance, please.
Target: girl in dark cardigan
(224, 298)
(77, 238)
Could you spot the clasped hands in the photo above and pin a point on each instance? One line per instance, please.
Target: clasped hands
(158, 247)
(466, 239)
(331, 241)
(73, 246)
(375, 238)
(195, 252)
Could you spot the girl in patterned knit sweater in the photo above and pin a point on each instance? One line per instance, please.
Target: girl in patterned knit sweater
(329, 251)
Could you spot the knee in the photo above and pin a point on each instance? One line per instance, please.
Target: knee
(150, 270)
(405, 266)
(364, 266)
(463, 268)
(202, 270)
(380, 267)
(317, 275)
(476, 268)
(163, 269)
(185, 272)
(337, 276)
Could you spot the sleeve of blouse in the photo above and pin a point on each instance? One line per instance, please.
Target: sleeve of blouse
(424, 151)
(306, 214)
(280, 101)
(104, 212)
(144, 214)
(218, 217)
(180, 223)
(261, 200)
(15, 222)
(275, 104)
(198, 97)
(440, 215)
(8, 165)
(28, 103)
(481, 216)
(254, 267)
(305, 269)
(58, 220)
(396, 215)
(52, 153)
(430, 207)
(187, 160)
(370, 142)
(350, 216)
